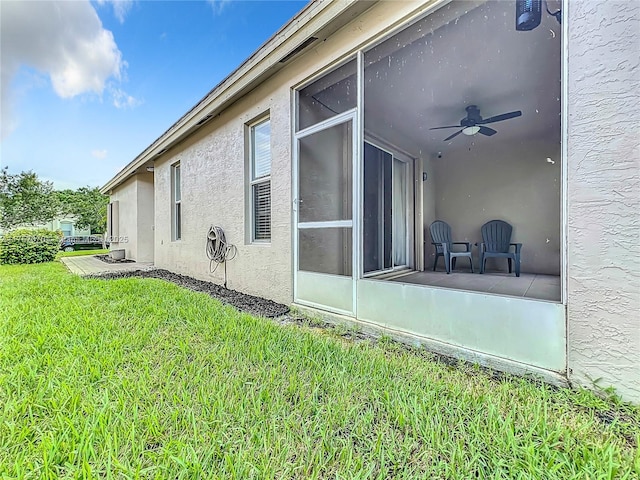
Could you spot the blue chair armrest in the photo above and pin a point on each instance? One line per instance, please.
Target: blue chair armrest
(441, 244)
(518, 246)
(466, 244)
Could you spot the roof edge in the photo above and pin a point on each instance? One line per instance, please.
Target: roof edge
(314, 17)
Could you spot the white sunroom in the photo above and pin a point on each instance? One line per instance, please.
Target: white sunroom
(374, 167)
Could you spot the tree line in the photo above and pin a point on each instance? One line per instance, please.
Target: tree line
(25, 200)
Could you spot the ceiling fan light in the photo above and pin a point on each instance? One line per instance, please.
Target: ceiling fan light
(471, 130)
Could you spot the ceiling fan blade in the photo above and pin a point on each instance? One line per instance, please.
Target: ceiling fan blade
(449, 126)
(499, 118)
(487, 131)
(451, 136)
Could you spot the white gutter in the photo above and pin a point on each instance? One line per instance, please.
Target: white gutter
(318, 19)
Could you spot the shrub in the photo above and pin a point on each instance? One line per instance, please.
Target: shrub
(29, 246)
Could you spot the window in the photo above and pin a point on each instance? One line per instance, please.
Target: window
(325, 200)
(330, 95)
(113, 221)
(260, 165)
(176, 204)
(67, 229)
(324, 194)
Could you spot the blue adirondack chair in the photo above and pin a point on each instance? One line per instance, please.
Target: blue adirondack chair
(441, 238)
(496, 242)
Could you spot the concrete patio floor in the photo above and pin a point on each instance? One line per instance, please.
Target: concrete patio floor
(91, 265)
(528, 285)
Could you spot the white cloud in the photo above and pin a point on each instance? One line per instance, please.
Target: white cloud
(218, 5)
(64, 40)
(122, 99)
(99, 154)
(120, 7)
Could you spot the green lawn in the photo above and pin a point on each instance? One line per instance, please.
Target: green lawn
(138, 378)
(77, 253)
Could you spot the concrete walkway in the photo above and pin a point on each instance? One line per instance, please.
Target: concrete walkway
(90, 265)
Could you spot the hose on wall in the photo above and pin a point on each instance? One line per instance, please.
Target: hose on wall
(218, 250)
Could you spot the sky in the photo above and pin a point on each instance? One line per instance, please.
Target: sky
(87, 86)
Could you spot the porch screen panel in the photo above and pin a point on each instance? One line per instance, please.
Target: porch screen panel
(328, 96)
(325, 175)
(324, 191)
(326, 250)
(484, 124)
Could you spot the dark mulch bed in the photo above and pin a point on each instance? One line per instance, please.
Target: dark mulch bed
(246, 303)
(108, 259)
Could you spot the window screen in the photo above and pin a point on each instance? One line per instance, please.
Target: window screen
(261, 181)
(176, 201)
(262, 214)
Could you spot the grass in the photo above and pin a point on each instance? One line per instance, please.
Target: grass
(78, 253)
(138, 378)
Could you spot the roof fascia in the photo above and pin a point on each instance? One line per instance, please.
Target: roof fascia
(318, 18)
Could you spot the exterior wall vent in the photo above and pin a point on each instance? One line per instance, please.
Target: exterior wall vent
(204, 119)
(298, 49)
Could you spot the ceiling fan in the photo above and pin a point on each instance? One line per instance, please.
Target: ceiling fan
(473, 123)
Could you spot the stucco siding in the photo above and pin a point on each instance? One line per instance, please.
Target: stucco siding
(126, 196)
(213, 193)
(604, 195)
(213, 177)
(491, 182)
(135, 232)
(144, 230)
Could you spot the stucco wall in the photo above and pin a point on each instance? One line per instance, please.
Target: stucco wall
(506, 181)
(604, 195)
(126, 195)
(428, 208)
(213, 193)
(213, 178)
(135, 218)
(145, 232)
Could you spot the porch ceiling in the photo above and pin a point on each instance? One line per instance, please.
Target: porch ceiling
(466, 53)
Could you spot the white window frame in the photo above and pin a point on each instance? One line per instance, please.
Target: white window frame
(254, 181)
(176, 203)
(70, 230)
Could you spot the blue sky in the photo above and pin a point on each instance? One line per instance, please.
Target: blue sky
(86, 86)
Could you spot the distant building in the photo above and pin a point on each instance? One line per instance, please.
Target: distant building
(65, 224)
